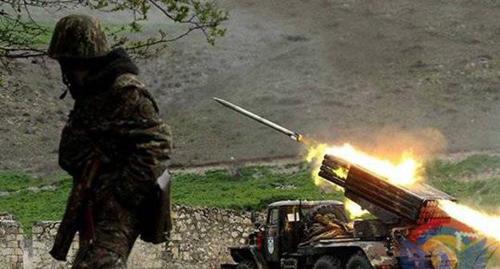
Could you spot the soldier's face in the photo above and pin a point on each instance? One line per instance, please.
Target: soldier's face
(74, 74)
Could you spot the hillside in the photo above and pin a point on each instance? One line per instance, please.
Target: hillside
(381, 74)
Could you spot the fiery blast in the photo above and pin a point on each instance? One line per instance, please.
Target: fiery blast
(404, 172)
(482, 222)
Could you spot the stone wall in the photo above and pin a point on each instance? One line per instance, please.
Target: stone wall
(11, 243)
(199, 240)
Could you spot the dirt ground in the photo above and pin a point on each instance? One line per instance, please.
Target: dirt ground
(386, 75)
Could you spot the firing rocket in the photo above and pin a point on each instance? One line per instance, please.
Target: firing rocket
(293, 135)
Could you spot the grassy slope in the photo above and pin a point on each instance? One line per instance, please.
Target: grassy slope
(255, 188)
(474, 181)
(12, 181)
(43, 36)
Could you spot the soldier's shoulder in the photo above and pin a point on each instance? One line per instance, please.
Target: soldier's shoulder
(127, 81)
(130, 88)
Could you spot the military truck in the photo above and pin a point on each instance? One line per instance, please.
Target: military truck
(407, 230)
(319, 235)
(277, 244)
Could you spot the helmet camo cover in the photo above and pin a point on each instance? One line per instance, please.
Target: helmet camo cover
(78, 36)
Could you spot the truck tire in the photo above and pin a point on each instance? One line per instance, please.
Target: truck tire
(325, 209)
(327, 262)
(246, 264)
(358, 261)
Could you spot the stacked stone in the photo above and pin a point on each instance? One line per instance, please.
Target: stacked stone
(43, 234)
(11, 243)
(147, 255)
(199, 240)
(5, 216)
(201, 236)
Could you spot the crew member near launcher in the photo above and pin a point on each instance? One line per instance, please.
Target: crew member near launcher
(114, 145)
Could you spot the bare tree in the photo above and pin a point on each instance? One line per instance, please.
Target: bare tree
(22, 36)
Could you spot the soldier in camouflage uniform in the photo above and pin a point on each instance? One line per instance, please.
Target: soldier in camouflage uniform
(114, 122)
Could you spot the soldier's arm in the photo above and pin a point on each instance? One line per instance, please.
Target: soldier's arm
(145, 140)
(75, 149)
(147, 137)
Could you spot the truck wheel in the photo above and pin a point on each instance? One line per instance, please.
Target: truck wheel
(327, 262)
(358, 261)
(246, 264)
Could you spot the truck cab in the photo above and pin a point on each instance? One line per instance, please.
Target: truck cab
(285, 226)
(278, 240)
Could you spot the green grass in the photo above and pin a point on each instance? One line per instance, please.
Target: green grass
(478, 193)
(468, 167)
(13, 181)
(254, 189)
(40, 35)
(29, 206)
(461, 179)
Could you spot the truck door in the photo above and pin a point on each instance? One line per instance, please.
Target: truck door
(292, 230)
(272, 249)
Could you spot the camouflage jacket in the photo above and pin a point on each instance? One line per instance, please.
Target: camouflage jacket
(121, 127)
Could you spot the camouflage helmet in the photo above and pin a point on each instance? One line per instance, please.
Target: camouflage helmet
(78, 36)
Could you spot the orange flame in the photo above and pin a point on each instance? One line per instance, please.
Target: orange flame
(405, 172)
(481, 222)
(354, 210)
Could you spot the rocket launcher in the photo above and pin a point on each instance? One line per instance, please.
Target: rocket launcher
(392, 204)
